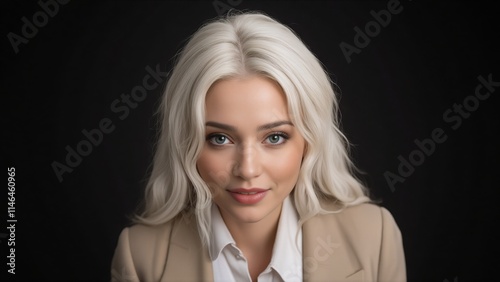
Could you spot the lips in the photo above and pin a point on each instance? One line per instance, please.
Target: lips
(248, 196)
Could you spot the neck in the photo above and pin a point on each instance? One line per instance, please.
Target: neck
(255, 237)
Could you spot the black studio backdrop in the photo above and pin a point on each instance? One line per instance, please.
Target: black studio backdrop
(418, 101)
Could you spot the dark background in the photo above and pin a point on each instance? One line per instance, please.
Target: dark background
(396, 90)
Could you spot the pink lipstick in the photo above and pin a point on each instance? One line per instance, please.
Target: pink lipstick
(248, 196)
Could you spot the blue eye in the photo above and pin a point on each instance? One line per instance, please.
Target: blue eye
(277, 138)
(218, 139)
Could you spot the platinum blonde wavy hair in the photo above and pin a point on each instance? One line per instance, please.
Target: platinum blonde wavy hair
(236, 45)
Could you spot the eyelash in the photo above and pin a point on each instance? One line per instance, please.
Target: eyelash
(281, 134)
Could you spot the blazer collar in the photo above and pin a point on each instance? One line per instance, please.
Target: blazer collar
(327, 253)
(186, 249)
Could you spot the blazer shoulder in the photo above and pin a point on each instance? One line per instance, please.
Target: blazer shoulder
(376, 230)
(362, 213)
(367, 213)
(366, 221)
(359, 208)
(149, 233)
(366, 234)
(142, 251)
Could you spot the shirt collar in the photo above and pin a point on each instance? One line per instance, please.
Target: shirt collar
(223, 238)
(287, 251)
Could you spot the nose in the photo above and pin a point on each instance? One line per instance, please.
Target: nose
(248, 162)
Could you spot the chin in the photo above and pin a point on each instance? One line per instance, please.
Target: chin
(247, 214)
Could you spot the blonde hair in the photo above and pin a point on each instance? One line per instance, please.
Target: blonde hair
(239, 44)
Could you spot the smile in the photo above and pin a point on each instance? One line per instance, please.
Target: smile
(248, 196)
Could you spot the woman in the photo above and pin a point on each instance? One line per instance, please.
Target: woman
(252, 179)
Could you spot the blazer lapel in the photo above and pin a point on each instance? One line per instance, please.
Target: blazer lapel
(187, 259)
(327, 253)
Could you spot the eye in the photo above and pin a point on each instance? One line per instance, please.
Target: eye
(277, 138)
(218, 139)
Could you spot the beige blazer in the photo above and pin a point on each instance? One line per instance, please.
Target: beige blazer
(361, 243)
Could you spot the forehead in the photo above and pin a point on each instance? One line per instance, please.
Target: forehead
(246, 97)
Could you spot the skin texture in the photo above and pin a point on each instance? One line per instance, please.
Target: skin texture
(250, 156)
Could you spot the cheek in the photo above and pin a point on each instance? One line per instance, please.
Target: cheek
(285, 168)
(213, 169)
(204, 165)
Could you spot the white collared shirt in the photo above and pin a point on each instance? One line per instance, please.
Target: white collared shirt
(229, 263)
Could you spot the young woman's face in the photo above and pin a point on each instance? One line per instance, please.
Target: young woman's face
(252, 154)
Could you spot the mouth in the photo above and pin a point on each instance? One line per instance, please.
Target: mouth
(247, 190)
(248, 196)
(247, 193)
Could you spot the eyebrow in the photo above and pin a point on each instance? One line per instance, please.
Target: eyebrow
(260, 128)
